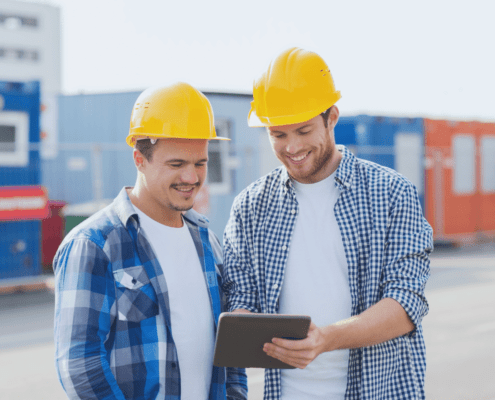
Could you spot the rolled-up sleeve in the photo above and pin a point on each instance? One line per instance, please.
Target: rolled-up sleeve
(84, 296)
(406, 261)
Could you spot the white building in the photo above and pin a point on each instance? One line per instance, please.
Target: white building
(30, 50)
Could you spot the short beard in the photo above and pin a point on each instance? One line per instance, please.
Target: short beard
(319, 165)
(177, 208)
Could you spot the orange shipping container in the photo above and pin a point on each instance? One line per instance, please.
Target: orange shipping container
(460, 179)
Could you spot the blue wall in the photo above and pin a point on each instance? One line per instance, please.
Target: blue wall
(86, 120)
(104, 118)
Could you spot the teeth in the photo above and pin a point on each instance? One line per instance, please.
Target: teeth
(184, 190)
(299, 158)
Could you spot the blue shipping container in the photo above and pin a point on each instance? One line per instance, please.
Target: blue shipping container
(20, 240)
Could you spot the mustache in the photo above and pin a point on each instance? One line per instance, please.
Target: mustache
(184, 185)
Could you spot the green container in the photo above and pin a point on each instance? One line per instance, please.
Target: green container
(74, 214)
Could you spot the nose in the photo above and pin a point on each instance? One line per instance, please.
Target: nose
(294, 145)
(189, 175)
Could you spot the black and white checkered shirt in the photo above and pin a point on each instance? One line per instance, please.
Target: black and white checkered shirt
(387, 242)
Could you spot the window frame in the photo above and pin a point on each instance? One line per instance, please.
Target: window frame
(20, 156)
(222, 127)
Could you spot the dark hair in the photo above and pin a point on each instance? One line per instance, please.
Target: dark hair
(145, 148)
(325, 115)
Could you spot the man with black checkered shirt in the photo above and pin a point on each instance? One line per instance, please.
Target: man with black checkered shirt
(334, 237)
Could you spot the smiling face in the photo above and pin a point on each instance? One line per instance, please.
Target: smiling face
(307, 149)
(168, 183)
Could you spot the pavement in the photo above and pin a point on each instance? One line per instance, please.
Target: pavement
(459, 334)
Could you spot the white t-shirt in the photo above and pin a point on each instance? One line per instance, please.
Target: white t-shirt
(316, 284)
(190, 309)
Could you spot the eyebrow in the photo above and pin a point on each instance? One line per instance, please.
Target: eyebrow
(298, 129)
(179, 160)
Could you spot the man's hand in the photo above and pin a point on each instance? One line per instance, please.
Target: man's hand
(298, 353)
(241, 311)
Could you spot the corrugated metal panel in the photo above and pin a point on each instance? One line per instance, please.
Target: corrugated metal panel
(103, 120)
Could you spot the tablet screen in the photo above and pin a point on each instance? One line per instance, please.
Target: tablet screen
(241, 337)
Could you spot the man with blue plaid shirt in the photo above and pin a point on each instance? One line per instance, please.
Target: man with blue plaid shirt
(137, 284)
(334, 237)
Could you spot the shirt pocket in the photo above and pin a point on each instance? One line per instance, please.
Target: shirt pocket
(136, 299)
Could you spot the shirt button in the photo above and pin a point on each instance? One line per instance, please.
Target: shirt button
(275, 286)
(174, 365)
(293, 211)
(284, 247)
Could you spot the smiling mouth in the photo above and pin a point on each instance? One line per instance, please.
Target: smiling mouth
(185, 189)
(299, 159)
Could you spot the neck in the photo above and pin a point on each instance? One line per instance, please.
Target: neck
(152, 209)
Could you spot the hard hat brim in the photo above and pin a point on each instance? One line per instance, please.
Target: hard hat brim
(255, 121)
(132, 138)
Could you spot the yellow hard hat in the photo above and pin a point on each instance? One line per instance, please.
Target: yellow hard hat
(177, 111)
(296, 87)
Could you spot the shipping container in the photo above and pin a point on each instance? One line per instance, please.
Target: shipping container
(23, 202)
(460, 179)
(397, 143)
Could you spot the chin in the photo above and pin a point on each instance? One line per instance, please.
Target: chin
(182, 207)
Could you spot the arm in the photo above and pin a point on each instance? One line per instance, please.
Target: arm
(85, 293)
(236, 384)
(239, 282)
(379, 323)
(402, 304)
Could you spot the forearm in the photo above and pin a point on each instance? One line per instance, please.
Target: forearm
(88, 377)
(236, 384)
(383, 321)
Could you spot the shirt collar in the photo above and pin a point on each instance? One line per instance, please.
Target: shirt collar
(125, 210)
(343, 176)
(345, 168)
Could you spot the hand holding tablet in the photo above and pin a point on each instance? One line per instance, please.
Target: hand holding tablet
(241, 337)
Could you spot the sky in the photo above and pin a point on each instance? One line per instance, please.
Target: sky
(419, 59)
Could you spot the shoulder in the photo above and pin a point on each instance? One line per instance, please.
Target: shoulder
(378, 176)
(96, 228)
(258, 192)
(195, 221)
(383, 188)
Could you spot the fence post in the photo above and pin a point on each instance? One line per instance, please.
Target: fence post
(97, 173)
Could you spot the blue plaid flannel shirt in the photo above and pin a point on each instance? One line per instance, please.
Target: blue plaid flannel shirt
(387, 242)
(112, 315)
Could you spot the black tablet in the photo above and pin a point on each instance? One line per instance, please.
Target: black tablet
(241, 337)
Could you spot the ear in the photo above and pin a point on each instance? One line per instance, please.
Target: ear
(333, 118)
(138, 159)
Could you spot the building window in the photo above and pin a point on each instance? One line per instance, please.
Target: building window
(7, 138)
(14, 139)
(218, 157)
(11, 21)
(15, 54)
